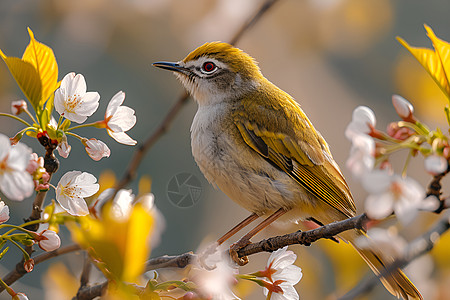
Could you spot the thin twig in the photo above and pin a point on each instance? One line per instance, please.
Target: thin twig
(139, 154)
(19, 271)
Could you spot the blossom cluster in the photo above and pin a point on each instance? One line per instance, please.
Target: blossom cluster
(390, 193)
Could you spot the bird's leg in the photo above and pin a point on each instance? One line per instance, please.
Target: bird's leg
(237, 228)
(245, 240)
(213, 248)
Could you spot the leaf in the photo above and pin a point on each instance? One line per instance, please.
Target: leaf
(442, 49)
(431, 62)
(26, 77)
(43, 59)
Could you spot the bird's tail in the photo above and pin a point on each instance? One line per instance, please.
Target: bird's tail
(396, 281)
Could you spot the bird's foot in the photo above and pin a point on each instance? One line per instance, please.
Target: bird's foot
(241, 261)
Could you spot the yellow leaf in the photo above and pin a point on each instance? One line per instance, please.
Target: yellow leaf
(36, 73)
(442, 49)
(431, 62)
(26, 77)
(43, 59)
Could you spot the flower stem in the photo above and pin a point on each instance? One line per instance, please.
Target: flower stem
(81, 126)
(20, 227)
(16, 118)
(25, 253)
(7, 288)
(74, 135)
(30, 115)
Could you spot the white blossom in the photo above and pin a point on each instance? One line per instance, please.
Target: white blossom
(119, 119)
(383, 241)
(72, 101)
(215, 279)
(15, 182)
(282, 272)
(392, 193)
(361, 160)
(72, 188)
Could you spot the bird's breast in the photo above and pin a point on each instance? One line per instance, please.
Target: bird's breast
(231, 165)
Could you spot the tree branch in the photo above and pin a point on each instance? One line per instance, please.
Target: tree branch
(268, 245)
(19, 271)
(416, 248)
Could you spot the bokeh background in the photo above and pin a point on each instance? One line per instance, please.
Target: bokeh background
(331, 55)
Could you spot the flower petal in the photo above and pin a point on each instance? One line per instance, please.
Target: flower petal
(89, 105)
(115, 102)
(122, 138)
(76, 207)
(123, 118)
(377, 181)
(16, 185)
(5, 146)
(379, 206)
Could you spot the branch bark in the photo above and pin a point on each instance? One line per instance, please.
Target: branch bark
(19, 271)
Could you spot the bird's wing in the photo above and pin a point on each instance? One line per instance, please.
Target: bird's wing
(308, 163)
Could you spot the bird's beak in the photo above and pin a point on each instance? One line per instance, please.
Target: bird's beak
(171, 66)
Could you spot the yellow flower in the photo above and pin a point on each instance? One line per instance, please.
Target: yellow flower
(119, 246)
(436, 62)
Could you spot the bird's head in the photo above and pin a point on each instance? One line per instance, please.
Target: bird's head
(216, 72)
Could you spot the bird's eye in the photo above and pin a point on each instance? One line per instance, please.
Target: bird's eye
(208, 68)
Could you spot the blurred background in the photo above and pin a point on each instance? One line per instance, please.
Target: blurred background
(330, 55)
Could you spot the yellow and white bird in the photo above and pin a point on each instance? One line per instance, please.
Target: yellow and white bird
(253, 141)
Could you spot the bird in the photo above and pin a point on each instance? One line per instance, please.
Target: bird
(254, 142)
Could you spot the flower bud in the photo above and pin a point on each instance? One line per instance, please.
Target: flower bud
(20, 296)
(403, 108)
(17, 107)
(29, 265)
(64, 148)
(399, 133)
(4, 212)
(96, 149)
(435, 164)
(49, 240)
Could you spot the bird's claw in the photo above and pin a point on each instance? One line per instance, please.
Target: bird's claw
(241, 261)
